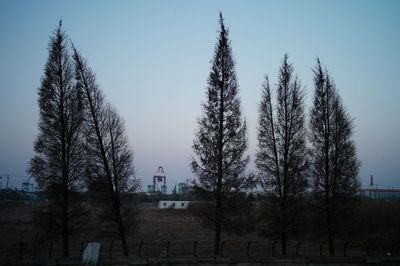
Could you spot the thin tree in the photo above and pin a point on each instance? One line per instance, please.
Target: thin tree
(334, 160)
(58, 163)
(282, 155)
(220, 141)
(110, 170)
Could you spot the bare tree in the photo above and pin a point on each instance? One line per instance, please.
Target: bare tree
(282, 154)
(220, 141)
(58, 163)
(334, 160)
(110, 170)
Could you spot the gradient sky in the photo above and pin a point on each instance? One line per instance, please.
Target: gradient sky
(152, 59)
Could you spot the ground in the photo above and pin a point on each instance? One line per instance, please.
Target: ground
(157, 227)
(161, 233)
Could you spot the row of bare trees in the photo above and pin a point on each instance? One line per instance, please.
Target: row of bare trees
(81, 146)
(291, 159)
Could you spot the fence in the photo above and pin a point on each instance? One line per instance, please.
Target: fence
(201, 249)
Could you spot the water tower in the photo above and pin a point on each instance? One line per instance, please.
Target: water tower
(159, 177)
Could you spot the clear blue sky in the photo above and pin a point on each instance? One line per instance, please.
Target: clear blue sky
(152, 59)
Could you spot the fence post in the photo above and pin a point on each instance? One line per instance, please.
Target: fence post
(168, 244)
(222, 247)
(195, 248)
(50, 250)
(321, 247)
(369, 247)
(298, 248)
(111, 246)
(346, 245)
(80, 250)
(20, 250)
(140, 249)
(273, 248)
(248, 249)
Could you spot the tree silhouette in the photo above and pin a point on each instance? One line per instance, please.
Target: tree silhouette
(58, 164)
(220, 141)
(109, 167)
(334, 160)
(282, 156)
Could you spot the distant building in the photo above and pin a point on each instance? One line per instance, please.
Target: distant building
(158, 177)
(374, 192)
(380, 193)
(183, 188)
(173, 204)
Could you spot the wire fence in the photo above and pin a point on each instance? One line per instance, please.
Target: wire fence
(192, 249)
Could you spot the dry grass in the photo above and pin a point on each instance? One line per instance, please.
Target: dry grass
(155, 225)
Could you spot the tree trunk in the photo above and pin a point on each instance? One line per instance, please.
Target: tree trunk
(331, 241)
(331, 238)
(65, 236)
(64, 228)
(220, 171)
(121, 230)
(283, 239)
(217, 239)
(120, 226)
(283, 227)
(329, 222)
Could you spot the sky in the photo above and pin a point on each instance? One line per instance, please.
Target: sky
(152, 60)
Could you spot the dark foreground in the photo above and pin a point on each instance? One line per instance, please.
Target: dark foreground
(175, 237)
(300, 261)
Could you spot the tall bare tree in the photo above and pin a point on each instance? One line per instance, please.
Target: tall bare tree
(110, 170)
(220, 141)
(282, 154)
(334, 159)
(58, 163)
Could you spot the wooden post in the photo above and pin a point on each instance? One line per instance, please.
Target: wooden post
(111, 246)
(248, 249)
(168, 244)
(81, 249)
(50, 250)
(321, 248)
(20, 250)
(140, 249)
(222, 248)
(298, 248)
(346, 245)
(273, 248)
(195, 248)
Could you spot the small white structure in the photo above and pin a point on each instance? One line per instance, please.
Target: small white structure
(173, 204)
(91, 254)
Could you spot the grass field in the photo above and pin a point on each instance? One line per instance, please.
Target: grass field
(157, 227)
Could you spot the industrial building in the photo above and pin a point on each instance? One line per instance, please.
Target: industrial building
(374, 192)
(158, 177)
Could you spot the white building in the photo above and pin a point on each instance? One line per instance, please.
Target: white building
(173, 204)
(380, 193)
